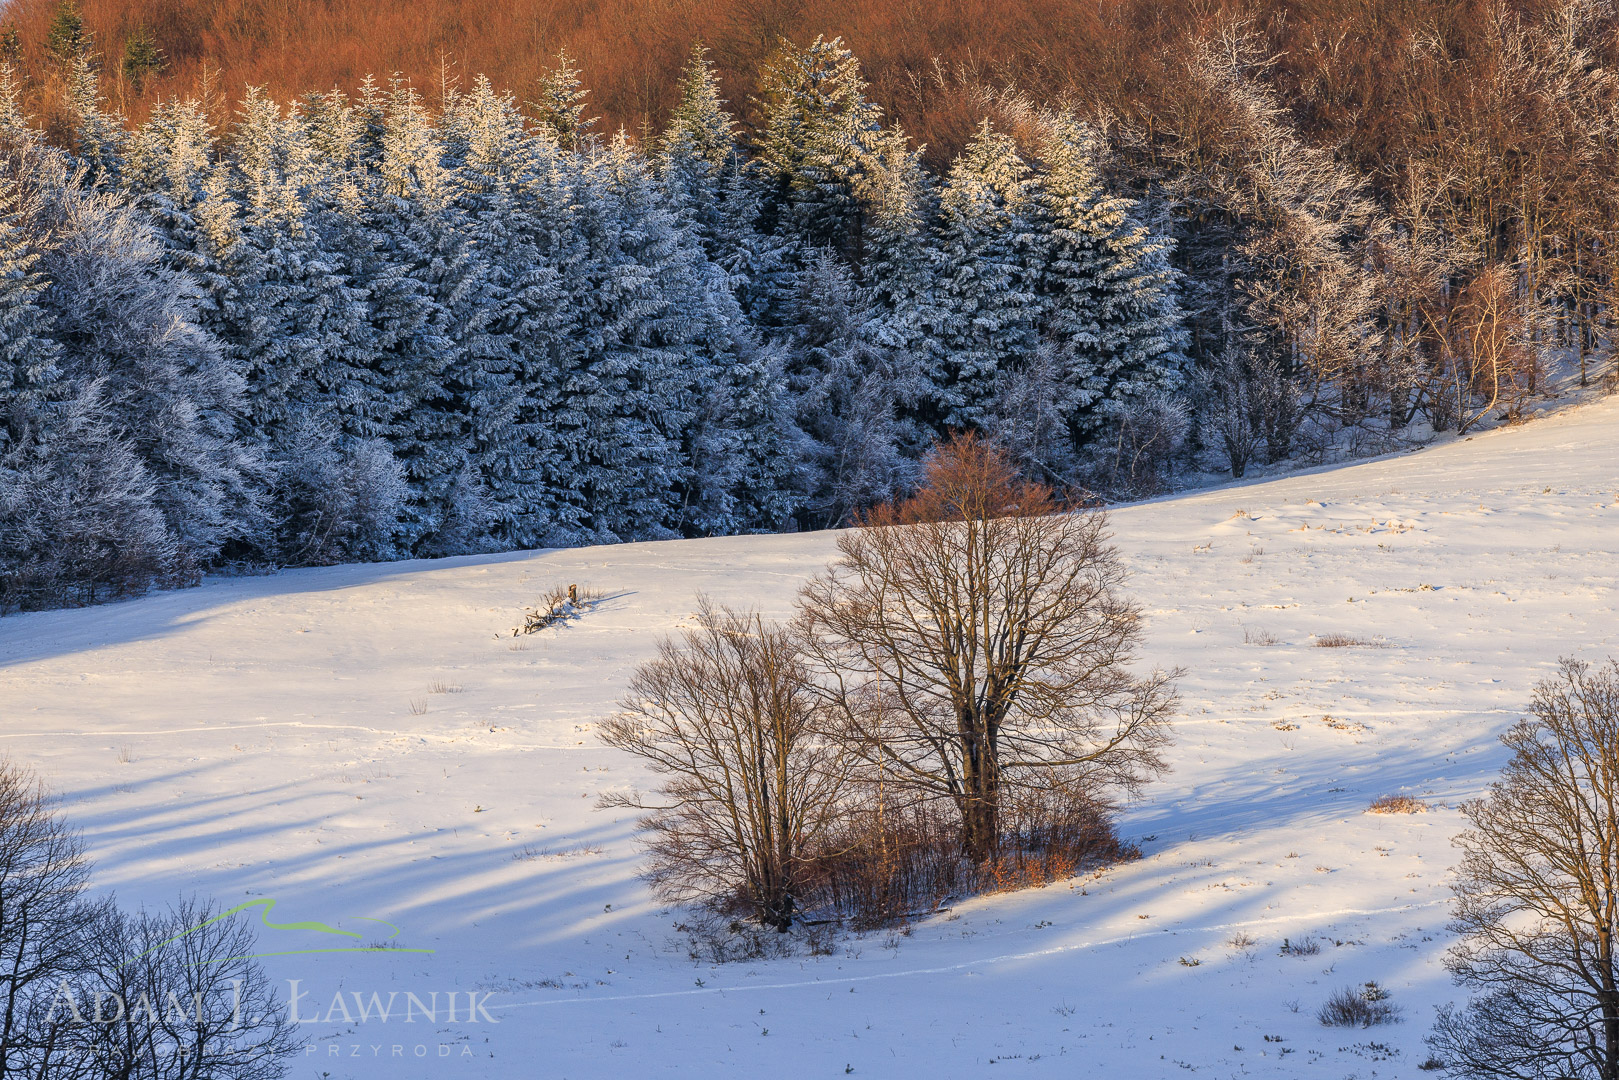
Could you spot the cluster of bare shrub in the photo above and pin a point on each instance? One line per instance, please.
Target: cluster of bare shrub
(952, 710)
(560, 604)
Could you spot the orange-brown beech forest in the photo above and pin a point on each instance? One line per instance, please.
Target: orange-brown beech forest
(1372, 73)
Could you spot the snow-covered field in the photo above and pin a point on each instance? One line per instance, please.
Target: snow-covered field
(370, 741)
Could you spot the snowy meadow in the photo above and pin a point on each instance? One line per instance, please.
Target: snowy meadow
(372, 743)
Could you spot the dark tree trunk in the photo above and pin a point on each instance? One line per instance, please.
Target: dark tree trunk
(1609, 999)
(981, 781)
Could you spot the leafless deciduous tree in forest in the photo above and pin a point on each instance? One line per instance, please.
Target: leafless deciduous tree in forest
(1537, 896)
(1492, 355)
(977, 647)
(725, 713)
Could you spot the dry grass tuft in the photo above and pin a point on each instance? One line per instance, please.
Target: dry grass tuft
(1398, 804)
(1344, 641)
(577, 851)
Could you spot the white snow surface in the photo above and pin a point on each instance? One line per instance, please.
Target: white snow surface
(281, 737)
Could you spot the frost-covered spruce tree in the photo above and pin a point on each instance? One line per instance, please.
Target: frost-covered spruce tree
(742, 453)
(982, 318)
(555, 202)
(126, 325)
(298, 311)
(29, 379)
(832, 177)
(98, 137)
(762, 267)
(696, 151)
(715, 187)
(742, 447)
(647, 338)
(77, 519)
(846, 394)
(505, 217)
(283, 282)
(1108, 290)
(15, 130)
(697, 162)
(822, 149)
(560, 105)
(897, 267)
(172, 176)
(766, 448)
(440, 357)
(170, 158)
(354, 376)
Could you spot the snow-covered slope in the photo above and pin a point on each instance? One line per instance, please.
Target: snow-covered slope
(370, 741)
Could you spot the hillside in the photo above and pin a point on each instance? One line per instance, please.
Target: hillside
(371, 742)
(1355, 70)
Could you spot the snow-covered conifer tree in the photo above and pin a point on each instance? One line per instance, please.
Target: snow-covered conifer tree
(502, 215)
(982, 318)
(847, 395)
(561, 104)
(832, 177)
(823, 152)
(433, 327)
(292, 308)
(14, 127)
(98, 137)
(641, 339)
(1109, 292)
(77, 519)
(742, 447)
(126, 326)
(28, 355)
(695, 157)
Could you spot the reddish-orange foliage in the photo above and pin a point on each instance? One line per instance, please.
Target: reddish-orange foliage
(1343, 57)
(631, 50)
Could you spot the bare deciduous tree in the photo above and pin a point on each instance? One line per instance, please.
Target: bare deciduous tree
(188, 1000)
(43, 874)
(90, 993)
(1492, 355)
(1537, 896)
(725, 715)
(977, 646)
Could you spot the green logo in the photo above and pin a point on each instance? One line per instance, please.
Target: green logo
(267, 905)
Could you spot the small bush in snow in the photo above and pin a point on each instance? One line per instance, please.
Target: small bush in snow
(1364, 1007)
(1306, 946)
